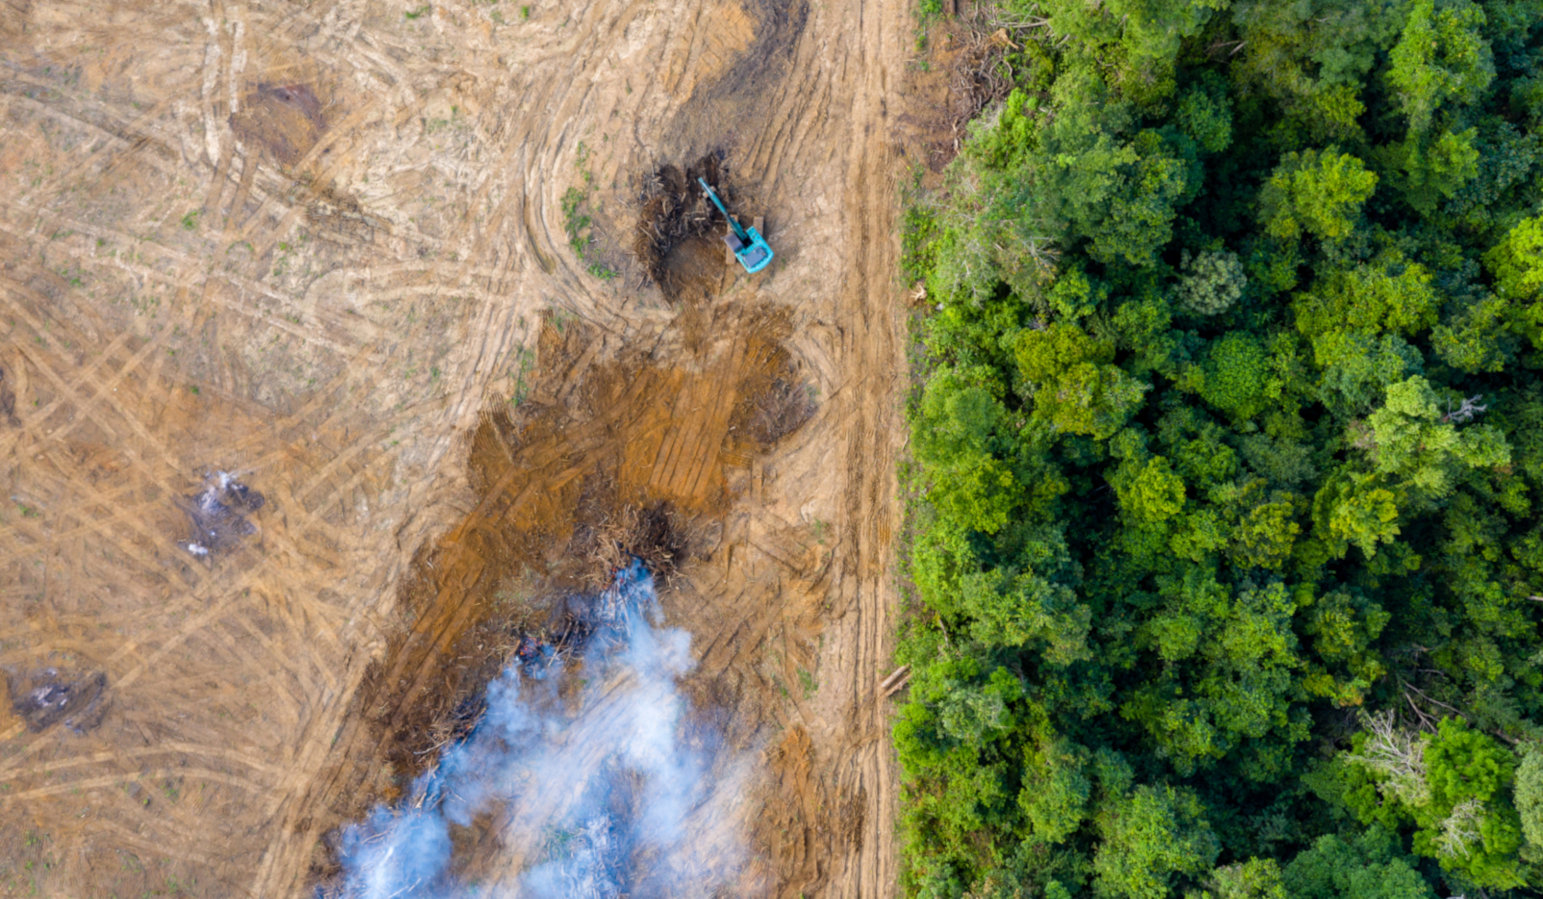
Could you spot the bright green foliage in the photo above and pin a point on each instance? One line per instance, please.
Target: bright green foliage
(1475, 337)
(1150, 492)
(1056, 789)
(1529, 801)
(1266, 534)
(1470, 825)
(1257, 878)
(1455, 787)
(1353, 509)
(1205, 116)
(1238, 652)
(1343, 628)
(1517, 263)
(1235, 376)
(1228, 434)
(961, 432)
(1140, 216)
(1073, 385)
(1393, 296)
(1313, 58)
(1146, 32)
(1429, 171)
(1419, 448)
(1358, 369)
(1034, 607)
(1319, 193)
(1148, 837)
(1442, 57)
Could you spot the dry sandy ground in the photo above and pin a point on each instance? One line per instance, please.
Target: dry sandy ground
(314, 244)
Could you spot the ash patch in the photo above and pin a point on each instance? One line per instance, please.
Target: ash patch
(47, 696)
(218, 514)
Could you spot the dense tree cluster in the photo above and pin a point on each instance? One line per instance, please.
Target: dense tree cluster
(1227, 516)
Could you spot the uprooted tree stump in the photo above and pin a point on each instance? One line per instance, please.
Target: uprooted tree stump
(674, 211)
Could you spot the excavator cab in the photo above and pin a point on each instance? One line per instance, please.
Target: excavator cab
(747, 244)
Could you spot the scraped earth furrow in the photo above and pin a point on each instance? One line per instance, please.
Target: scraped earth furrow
(312, 244)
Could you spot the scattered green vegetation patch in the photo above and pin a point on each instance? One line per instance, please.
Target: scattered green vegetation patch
(578, 224)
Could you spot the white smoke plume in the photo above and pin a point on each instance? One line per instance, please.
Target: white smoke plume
(614, 793)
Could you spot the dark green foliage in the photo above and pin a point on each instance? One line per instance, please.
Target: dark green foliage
(1229, 430)
(1368, 866)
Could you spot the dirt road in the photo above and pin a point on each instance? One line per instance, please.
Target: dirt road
(312, 245)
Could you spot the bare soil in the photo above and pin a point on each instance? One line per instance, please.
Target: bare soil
(323, 249)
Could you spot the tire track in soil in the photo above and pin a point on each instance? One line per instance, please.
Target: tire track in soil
(345, 317)
(835, 755)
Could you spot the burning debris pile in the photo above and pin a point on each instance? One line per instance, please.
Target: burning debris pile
(582, 779)
(656, 535)
(48, 696)
(218, 514)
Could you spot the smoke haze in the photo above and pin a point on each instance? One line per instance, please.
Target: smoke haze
(607, 790)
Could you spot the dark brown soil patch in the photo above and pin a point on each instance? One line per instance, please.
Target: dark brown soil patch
(7, 403)
(286, 119)
(675, 210)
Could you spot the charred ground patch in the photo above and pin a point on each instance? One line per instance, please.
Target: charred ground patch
(219, 516)
(47, 696)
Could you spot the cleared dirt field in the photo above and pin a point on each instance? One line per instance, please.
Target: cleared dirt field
(329, 248)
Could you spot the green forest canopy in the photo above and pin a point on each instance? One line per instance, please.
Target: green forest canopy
(1228, 459)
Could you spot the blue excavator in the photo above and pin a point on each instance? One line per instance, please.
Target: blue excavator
(747, 244)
